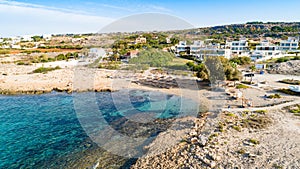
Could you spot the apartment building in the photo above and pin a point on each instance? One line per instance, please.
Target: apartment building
(265, 50)
(238, 48)
(291, 44)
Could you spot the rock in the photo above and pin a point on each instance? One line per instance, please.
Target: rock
(194, 140)
(193, 133)
(212, 164)
(202, 140)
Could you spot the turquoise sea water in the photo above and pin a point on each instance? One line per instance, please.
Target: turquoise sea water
(38, 129)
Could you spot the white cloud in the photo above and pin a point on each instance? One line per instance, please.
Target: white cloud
(23, 18)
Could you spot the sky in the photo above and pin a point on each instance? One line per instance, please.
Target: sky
(37, 17)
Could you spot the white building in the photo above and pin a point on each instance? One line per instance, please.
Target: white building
(47, 36)
(214, 52)
(15, 40)
(196, 47)
(15, 46)
(181, 47)
(27, 38)
(238, 48)
(264, 51)
(96, 53)
(289, 45)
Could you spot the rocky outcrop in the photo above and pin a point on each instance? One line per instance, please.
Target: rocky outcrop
(289, 68)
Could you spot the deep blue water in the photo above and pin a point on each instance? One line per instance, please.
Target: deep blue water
(36, 129)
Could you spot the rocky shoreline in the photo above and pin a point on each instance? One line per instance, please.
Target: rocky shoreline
(287, 68)
(238, 140)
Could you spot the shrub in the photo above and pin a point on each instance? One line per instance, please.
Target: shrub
(280, 60)
(261, 111)
(253, 141)
(230, 114)
(241, 151)
(274, 96)
(290, 81)
(20, 63)
(45, 70)
(244, 60)
(237, 128)
(241, 86)
(288, 91)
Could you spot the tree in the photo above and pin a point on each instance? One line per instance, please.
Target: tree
(252, 68)
(216, 69)
(37, 38)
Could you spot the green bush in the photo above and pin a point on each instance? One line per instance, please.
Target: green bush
(20, 63)
(274, 96)
(261, 111)
(283, 59)
(290, 81)
(253, 141)
(45, 70)
(244, 60)
(241, 86)
(288, 91)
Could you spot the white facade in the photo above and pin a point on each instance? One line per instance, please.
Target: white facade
(264, 51)
(214, 52)
(47, 36)
(96, 53)
(289, 45)
(238, 48)
(27, 38)
(181, 47)
(15, 46)
(196, 47)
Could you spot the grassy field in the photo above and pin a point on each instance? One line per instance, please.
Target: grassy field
(178, 64)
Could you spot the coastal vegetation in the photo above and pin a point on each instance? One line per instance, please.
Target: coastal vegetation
(242, 86)
(44, 58)
(244, 60)
(295, 110)
(45, 69)
(290, 81)
(153, 58)
(274, 96)
(215, 68)
(288, 91)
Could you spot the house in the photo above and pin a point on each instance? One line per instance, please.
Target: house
(291, 44)
(26, 38)
(47, 37)
(181, 47)
(140, 40)
(15, 40)
(168, 40)
(131, 54)
(264, 51)
(214, 52)
(15, 47)
(96, 53)
(238, 48)
(196, 47)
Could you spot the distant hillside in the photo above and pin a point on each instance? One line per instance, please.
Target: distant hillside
(250, 30)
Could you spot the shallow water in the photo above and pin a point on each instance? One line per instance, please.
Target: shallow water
(36, 130)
